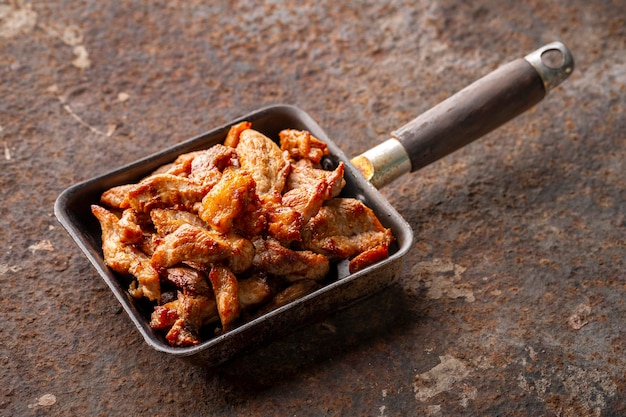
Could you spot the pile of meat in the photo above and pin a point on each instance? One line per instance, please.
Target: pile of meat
(225, 234)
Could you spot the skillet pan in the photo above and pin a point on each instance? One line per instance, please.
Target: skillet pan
(464, 117)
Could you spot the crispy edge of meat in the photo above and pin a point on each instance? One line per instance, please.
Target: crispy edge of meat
(226, 289)
(194, 312)
(291, 265)
(207, 165)
(233, 205)
(368, 257)
(308, 188)
(232, 137)
(194, 307)
(263, 159)
(125, 258)
(301, 144)
(196, 244)
(167, 220)
(253, 291)
(165, 190)
(344, 227)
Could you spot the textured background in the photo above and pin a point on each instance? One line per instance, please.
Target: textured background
(511, 301)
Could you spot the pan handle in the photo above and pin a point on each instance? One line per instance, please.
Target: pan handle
(467, 115)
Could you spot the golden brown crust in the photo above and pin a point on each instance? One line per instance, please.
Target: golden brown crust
(224, 234)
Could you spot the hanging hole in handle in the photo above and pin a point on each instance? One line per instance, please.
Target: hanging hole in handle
(553, 62)
(553, 58)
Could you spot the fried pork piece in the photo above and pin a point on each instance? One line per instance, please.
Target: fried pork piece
(189, 280)
(166, 220)
(233, 205)
(232, 138)
(253, 291)
(302, 145)
(263, 159)
(283, 223)
(296, 290)
(196, 244)
(207, 165)
(117, 197)
(125, 258)
(194, 307)
(226, 289)
(369, 257)
(165, 190)
(308, 188)
(344, 227)
(193, 312)
(291, 265)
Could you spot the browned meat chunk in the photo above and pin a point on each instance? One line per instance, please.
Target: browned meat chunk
(226, 291)
(125, 258)
(193, 312)
(369, 257)
(308, 188)
(194, 307)
(117, 197)
(166, 221)
(344, 227)
(291, 265)
(190, 280)
(195, 244)
(207, 165)
(232, 138)
(253, 291)
(233, 205)
(263, 159)
(165, 190)
(296, 290)
(302, 145)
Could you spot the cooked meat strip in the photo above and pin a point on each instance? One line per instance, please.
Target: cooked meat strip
(194, 312)
(194, 307)
(308, 188)
(188, 279)
(342, 228)
(166, 220)
(195, 244)
(369, 257)
(233, 205)
(126, 258)
(232, 138)
(296, 290)
(253, 291)
(284, 223)
(263, 159)
(291, 265)
(164, 316)
(226, 289)
(208, 164)
(302, 145)
(117, 197)
(165, 190)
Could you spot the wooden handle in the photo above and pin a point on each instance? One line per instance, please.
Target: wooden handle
(471, 113)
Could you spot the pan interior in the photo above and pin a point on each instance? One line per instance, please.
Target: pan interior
(72, 208)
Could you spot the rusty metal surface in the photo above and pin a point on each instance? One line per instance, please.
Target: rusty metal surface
(511, 301)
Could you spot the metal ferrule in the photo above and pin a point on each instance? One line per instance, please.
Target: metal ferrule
(383, 163)
(553, 62)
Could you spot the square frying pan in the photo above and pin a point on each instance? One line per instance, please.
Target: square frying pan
(462, 118)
